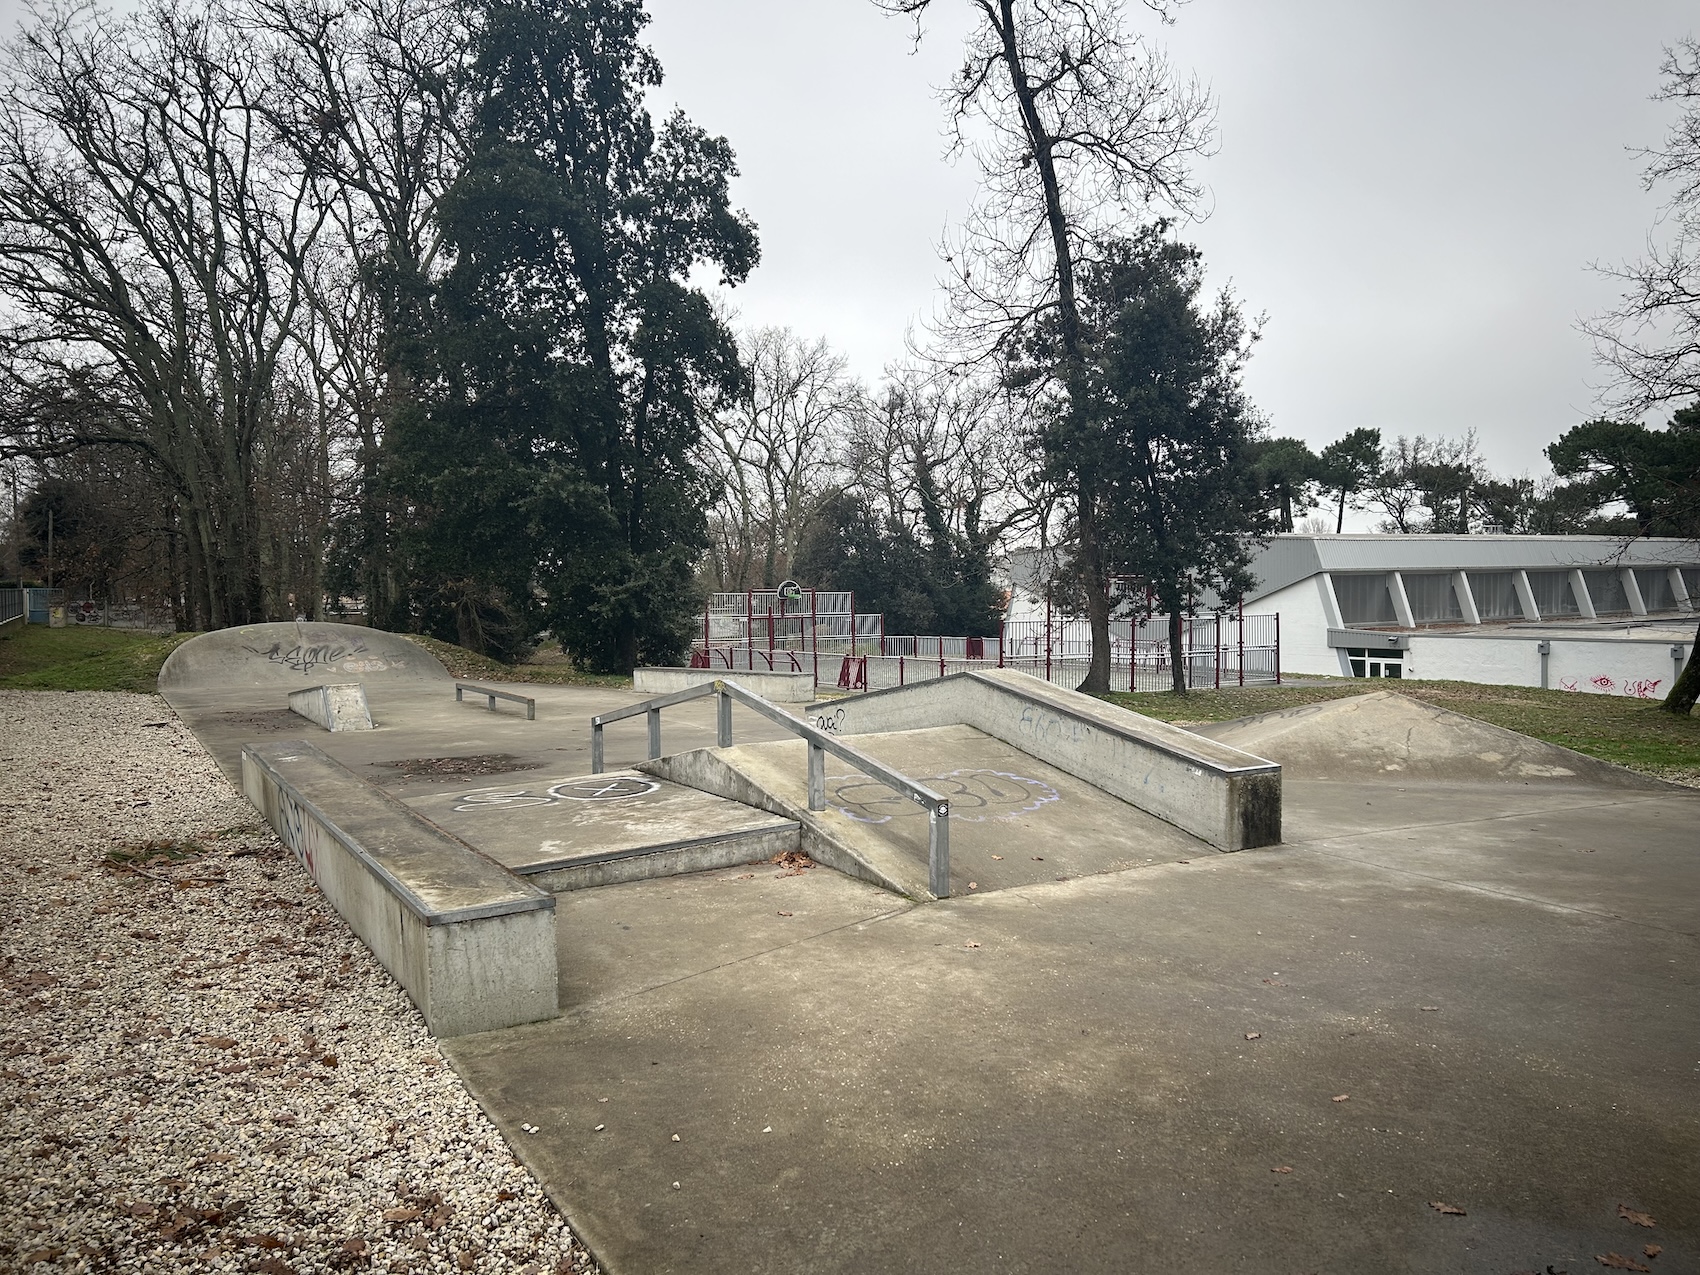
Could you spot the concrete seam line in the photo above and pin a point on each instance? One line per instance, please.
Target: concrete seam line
(576, 1010)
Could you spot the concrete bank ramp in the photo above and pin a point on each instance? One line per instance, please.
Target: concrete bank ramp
(293, 655)
(1389, 736)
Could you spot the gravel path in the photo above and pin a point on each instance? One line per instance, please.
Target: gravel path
(201, 1068)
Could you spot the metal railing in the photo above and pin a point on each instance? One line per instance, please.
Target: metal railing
(820, 743)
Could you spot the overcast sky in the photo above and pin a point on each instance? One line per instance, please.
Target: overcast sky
(1413, 193)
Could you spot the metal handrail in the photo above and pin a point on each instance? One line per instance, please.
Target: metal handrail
(820, 743)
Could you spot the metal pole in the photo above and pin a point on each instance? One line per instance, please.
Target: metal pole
(899, 668)
(654, 716)
(723, 718)
(596, 745)
(1047, 633)
(1241, 631)
(1216, 636)
(817, 777)
(1277, 648)
(938, 851)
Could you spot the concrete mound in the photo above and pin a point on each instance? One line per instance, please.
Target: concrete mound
(1389, 736)
(296, 654)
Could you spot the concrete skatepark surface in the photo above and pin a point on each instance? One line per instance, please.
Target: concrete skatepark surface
(1492, 966)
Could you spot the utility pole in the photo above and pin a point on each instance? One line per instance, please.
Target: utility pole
(49, 557)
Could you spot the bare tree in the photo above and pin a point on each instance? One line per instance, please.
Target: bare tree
(770, 453)
(1650, 341)
(1078, 125)
(370, 107)
(151, 241)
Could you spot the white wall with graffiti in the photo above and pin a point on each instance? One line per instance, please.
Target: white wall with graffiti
(1643, 667)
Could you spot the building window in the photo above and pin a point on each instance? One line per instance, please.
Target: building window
(1433, 599)
(1364, 600)
(1367, 663)
(1496, 595)
(1606, 589)
(1553, 594)
(1656, 592)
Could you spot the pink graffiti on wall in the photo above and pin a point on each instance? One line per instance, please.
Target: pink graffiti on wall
(1567, 684)
(1644, 688)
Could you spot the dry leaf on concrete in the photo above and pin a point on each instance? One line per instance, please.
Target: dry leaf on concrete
(1635, 1215)
(1451, 1210)
(1618, 1262)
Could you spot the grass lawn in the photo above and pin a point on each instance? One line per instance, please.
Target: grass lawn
(1634, 733)
(82, 658)
(550, 668)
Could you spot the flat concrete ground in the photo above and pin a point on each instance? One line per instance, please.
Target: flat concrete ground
(1486, 997)
(415, 722)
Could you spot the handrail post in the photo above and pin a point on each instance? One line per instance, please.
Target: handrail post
(596, 745)
(817, 777)
(723, 717)
(938, 851)
(654, 716)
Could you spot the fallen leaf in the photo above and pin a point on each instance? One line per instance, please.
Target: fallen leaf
(1430, 1009)
(1274, 982)
(42, 1255)
(506, 1195)
(1451, 1210)
(784, 914)
(329, 1060)
(970, 945)
(1282, 1168)
(1635, 1215)
(266, 1241)
(1038, 858)
(275, 1266)
(217, 1042)
(357, 1247)
(1344, 1097)
(1254, 1035)
(1618, 1262)
(403, 1215)
(998, 857)
(1653, 1250)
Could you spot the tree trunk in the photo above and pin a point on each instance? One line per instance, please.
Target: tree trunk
(1177, 655)
(1340, 523)
(1686, 689)
(1097, 588)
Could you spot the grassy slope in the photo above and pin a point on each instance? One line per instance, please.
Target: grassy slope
(1630, 732)
(35, 657)
(544, 668)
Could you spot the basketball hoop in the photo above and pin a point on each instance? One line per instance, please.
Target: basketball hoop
(790, 591)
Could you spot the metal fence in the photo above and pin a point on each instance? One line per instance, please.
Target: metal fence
(1226, 650)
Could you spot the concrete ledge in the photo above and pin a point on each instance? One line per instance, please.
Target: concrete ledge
(1222, 795)
(776, 688)
(471, 943)
(336, 707)
(702, 855)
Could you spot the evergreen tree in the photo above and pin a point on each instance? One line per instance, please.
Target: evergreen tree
(550, 467)
(1169, 428)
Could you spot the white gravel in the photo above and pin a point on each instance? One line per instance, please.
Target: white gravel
(202, 1068)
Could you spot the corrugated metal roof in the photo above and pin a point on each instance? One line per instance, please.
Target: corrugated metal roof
(1288, 559)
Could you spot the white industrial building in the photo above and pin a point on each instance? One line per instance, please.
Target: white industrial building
(1583, 613)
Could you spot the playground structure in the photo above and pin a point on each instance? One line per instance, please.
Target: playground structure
(822, 634)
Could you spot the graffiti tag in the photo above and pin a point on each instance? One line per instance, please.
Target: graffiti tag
(832, 723)
(302, 658)
(596, 788)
